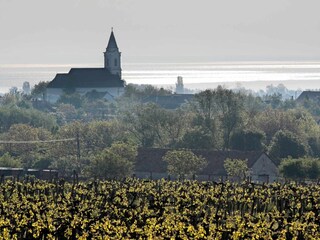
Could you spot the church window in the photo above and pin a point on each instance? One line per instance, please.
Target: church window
(115, 62)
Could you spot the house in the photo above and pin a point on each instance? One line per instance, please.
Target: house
(149, 164)
(106, 80)
(309, 95)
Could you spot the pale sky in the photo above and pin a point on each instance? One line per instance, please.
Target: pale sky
(77, 31)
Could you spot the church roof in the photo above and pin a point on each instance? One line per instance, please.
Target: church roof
(86, 78)
(112, 42)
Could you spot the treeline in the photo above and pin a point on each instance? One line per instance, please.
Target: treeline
(215, 119)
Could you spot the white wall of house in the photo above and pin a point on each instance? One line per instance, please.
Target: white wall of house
(264, 170)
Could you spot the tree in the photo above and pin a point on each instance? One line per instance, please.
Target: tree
(98, 110)
(230, 106)
(70, 154)
(152, 125)
(71, 98)
(27, 152)
(39, 90)
(236, 168)
(252, 107)
(274, 100)
(247, 140)
(220, 109)
(184, 162)
(143, 124)
(67, 112)
(285, 144)
(174, 123)
(14, 115)
(6, 160)
(116, 161)
(300, 168)
(89, 140)
(196, 138)
(139, 92)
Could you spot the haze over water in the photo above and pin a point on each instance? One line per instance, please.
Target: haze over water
(254, 75)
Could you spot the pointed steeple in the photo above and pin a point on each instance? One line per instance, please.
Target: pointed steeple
(112, 56)
(112, 41)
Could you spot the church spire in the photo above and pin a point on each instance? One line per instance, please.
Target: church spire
(112, 41)
(112, 56)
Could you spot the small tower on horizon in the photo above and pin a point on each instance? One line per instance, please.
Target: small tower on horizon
(112, 56)
(179, 85)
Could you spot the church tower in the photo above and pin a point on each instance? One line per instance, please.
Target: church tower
(112, 56)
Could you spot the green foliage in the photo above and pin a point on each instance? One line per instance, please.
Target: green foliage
(297, 121)
(6, 160)
(312, 105)
(98, 110)
(32, 117)
(236, 168)
(184, 162)
(39, 90)
(92, 137)
(74, 99)
(196, 138)
(66, 165)
(314, 144)
(247, 140)
(27, 152)
(154, 126)
(139, 92)
(220, 106)
(67, 113)
(300, 168)
(274, 100)
(116, 161)
(285, 144)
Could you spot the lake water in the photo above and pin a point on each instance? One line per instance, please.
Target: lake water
(303, 75)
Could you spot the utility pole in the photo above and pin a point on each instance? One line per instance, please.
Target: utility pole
(78, 147)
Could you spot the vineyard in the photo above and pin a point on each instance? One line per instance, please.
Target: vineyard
(140, 209)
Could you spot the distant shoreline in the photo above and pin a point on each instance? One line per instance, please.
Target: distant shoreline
(250, 85)
(255, 75)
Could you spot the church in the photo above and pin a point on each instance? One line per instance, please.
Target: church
(106, 81)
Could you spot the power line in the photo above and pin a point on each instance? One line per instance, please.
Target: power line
(38, 141)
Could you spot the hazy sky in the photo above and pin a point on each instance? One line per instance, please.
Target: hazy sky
(77, 31)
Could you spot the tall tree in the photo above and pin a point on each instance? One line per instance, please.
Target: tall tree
(153, 126)
(247, 140)
(285, 144)
(219, 109)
